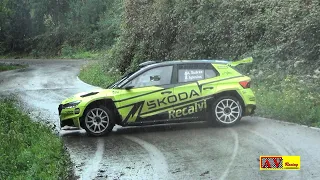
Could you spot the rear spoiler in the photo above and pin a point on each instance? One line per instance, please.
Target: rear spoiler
(243, 61)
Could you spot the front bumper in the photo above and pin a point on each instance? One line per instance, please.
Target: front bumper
(70, 116)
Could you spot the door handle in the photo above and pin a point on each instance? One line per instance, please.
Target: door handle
(166, 92)
(206, 88)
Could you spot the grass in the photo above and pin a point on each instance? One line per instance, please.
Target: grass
(29, 150)
(288, 100)
(65, 54)
(81, 55)
(95, 74)
(7, 67)
(14, 55)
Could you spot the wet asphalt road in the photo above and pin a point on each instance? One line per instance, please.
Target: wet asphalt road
(180, 151)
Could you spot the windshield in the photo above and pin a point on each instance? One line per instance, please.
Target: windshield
(123, 78)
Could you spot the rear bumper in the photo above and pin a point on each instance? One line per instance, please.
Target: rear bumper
(249, 109)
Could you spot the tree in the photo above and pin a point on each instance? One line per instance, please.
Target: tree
(15, 25)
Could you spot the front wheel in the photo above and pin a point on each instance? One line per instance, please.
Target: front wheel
(226, 111)
(98, 121)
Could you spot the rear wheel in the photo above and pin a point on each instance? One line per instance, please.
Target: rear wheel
(226, 111)
(98, 121)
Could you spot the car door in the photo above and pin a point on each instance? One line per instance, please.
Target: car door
(208, 84)
(147, 96)
(190, 103)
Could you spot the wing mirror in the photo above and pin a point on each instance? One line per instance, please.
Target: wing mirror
(128, 87)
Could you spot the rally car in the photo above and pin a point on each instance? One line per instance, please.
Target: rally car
(164, 92)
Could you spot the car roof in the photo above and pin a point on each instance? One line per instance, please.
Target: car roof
(163, 63)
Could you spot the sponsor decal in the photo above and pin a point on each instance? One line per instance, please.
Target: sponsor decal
(226, 73)
(168, 100)
(115, 92)
(134, 112)
(279, 162)
(191, 109)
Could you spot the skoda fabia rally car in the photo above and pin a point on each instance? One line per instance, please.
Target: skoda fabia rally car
(164, 92)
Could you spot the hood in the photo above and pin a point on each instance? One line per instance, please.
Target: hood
(90, 95)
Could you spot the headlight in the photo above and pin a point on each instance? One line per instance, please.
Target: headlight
(71, 104)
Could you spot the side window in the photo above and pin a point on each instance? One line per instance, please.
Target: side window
(195, 72)
(153, 77)
(209, 73)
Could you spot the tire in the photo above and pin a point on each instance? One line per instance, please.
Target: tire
(226, 111)
(98, 121)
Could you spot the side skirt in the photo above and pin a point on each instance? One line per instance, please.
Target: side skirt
(166, 121)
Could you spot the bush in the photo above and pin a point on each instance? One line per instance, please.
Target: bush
(290, 100)
(272, 31)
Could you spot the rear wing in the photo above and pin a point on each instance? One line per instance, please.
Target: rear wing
(243, 61)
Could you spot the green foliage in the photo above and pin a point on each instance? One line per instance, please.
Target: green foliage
(45, 28)
(271, 30)
(7, 67)
(29, 150)
(99, 75)
(14, 26)
(290, 100)
(76, 53)
(92, 24)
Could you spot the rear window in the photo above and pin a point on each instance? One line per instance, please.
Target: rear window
(195, 72)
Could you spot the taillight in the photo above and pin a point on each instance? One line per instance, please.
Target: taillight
(245, 84)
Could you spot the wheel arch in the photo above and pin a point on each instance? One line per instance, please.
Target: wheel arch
(232, 93)
(108, 103)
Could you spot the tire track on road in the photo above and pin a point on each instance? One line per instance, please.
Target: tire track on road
(234, 154)
(92, 167)
(158, 161)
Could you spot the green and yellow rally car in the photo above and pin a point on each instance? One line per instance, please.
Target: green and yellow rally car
(164, 92)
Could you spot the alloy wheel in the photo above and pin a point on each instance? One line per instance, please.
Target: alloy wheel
(97, 120)
(228, 111)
